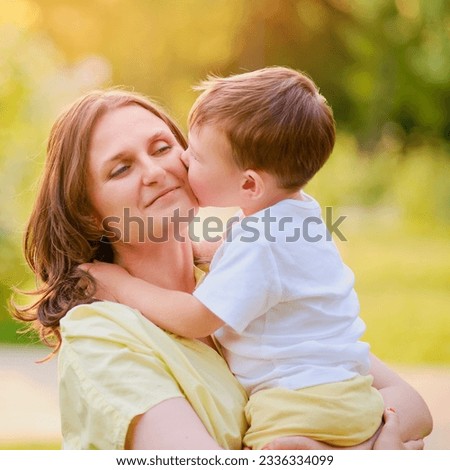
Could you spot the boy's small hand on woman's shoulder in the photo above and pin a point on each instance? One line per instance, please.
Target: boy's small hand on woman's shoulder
(108, 277)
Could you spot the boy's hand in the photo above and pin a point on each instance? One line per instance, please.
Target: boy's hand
(109, 279)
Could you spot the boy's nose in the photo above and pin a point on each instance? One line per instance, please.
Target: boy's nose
(185, 158)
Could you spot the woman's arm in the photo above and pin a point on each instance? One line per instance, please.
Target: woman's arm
(172, 424)
(415, 420)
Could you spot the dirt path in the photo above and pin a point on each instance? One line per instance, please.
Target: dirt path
(29, 398)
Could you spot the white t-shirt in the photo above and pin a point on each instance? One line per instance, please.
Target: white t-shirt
(287, 299)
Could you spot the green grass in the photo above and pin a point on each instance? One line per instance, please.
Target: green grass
(402, 281)
(12, 331)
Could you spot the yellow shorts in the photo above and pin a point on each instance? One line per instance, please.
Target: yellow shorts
(341, 413)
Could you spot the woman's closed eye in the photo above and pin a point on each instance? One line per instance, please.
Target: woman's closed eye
(160, 147)
(163, 149)
(157, 148)
(119, 170)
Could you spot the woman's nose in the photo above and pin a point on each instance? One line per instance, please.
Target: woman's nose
(152, 173)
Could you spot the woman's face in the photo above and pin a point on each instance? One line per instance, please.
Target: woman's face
(137, 182)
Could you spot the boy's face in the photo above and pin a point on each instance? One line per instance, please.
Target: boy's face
(214, 177)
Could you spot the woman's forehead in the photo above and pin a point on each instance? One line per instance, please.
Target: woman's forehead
(124, 124)
(127, 116)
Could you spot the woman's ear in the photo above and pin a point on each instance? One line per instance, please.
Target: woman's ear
(252, 186)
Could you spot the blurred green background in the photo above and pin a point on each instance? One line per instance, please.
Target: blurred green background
(384, 66)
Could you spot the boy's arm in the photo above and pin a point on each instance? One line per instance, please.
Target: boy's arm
(175, 311)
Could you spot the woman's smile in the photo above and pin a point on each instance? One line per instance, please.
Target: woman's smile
(164, 195)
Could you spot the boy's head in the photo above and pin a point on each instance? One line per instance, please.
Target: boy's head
(274, 119)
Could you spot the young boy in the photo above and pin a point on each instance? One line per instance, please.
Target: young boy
(278, 297)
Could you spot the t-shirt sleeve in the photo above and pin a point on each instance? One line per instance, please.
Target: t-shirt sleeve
(110, 372)
(243, 284)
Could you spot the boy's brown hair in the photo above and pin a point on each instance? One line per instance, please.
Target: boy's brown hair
(275, 120)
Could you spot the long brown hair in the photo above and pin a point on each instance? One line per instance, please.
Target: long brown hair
(62, 232)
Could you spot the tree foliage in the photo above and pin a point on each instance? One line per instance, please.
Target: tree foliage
(384, 65)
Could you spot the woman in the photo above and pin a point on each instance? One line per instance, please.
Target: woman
(113, 157)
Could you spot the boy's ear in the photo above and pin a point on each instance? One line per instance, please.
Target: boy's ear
(252, 185)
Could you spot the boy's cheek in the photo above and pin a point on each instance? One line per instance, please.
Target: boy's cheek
(184, 159)
(197, 188)
(192, 178)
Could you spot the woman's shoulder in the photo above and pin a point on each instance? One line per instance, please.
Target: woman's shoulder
(108, 367)
(105, 325)
(97, 311)
(104, 319)
(108, 332)
(100, 308)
